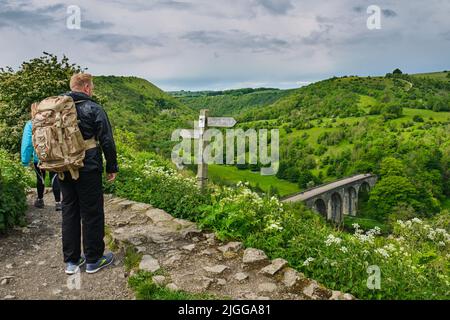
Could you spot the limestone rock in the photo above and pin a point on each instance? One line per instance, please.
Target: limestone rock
(189, 247)
(9, 297)
(221, 282)
(172, 286)
(158, 215)
(149, 264)
(172, 259)
(140, 207)
(274, 267)
(231, 247)
(316, 291)
(267, 287)
(206, 283)
(254, 256)
(141, 249)
(159, 280)
(290, 277)
(218, 269)
(241, 276)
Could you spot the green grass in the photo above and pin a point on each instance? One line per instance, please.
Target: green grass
(434, 75)
(233, 175)
(132, 258)
(146, 289)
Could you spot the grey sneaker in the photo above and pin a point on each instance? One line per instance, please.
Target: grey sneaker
(39, 203)
(58, 206)
(72, 268)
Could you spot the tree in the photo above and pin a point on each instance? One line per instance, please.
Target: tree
(34, 81)
(392, 167)
(397, 72)
(389, 193)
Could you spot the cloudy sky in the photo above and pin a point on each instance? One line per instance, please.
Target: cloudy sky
(218, 44)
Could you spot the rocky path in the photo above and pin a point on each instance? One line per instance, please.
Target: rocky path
(189, 259)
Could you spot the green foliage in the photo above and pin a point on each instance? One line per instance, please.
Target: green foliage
(34, 81)
(146, 289)
(390, 192)
(147, 177)
(132, 258)
(13, 184)
(138, 106)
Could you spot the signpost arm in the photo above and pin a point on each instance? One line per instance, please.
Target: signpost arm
(202, 171)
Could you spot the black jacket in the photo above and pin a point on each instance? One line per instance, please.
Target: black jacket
(93, 122)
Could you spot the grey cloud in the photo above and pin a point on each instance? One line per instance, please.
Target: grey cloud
(18, 16)
(358, 9)
(94, 25)
(121, 43)
(388, 13)
(145, 5)
(278, 7)
(319, 36)
(236, 40)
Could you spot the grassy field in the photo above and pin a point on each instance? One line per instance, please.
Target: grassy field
(434, 75)
(233, 175)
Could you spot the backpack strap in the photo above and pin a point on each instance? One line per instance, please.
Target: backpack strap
(91, 143)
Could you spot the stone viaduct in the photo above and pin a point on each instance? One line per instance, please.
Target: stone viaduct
(336, 199)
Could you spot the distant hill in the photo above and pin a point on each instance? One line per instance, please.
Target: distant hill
(230, 102)
(139, 106)
(355, 96)
(444, 75)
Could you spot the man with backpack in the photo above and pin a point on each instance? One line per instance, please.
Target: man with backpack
(70, 132)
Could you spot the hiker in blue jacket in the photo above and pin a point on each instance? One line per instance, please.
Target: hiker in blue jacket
(28, 154)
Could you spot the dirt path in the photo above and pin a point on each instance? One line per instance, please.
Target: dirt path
(32, 256)
(188, 259)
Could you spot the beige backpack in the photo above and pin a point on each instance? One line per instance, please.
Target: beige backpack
(57, 139)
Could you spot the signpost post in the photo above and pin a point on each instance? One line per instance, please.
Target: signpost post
(198, 133)
(202, 170)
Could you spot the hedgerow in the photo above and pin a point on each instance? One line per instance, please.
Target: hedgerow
(13, 184)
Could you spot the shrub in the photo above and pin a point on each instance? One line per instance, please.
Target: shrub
(13, 183)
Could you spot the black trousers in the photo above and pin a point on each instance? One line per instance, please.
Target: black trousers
(40, 185)
(82, 210)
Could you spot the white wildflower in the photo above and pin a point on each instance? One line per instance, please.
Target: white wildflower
(332, 240)
(308, 261)
(382, 252)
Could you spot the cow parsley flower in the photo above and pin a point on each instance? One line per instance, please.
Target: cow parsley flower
(308, 261)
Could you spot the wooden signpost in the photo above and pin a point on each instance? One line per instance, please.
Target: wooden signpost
(198, 133)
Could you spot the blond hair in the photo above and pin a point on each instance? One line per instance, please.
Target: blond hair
(79, 80)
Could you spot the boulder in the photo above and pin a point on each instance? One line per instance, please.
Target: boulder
(254, 257)
(150, 264)
(218, 269)
(317, 292)
(241, 276)
(274, 267)
(231, 247)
